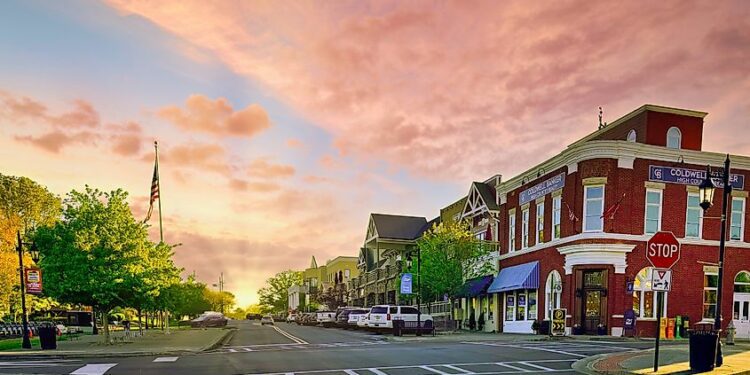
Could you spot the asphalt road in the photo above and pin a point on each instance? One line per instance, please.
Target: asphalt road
(291, 349)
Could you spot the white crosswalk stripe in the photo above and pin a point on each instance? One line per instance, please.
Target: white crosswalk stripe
(270, 347)
(512, 367)
(166, 359)
(40, 363)
(94, 369)
(573, 349)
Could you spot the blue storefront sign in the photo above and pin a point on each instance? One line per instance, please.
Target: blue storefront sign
(406, 281)
(686, 176)
(541, 189)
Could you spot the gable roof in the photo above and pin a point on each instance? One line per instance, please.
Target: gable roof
(397, 226)
(488, 195)
(481, 196)
(313, 263)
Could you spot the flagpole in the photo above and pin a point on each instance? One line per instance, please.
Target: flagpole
(158, 185)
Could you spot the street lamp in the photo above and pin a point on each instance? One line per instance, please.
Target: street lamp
(34, 252)
(419, 288)
(706, 194)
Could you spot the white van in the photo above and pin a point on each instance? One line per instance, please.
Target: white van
(382, 316)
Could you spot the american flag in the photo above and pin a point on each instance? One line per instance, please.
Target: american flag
(154, 191)
(571, 215)
(612, 210)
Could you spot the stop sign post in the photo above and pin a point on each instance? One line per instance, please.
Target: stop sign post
(663, 251)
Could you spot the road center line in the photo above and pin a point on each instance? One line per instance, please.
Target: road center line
(290, 336)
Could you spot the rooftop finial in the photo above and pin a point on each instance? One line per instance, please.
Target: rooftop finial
(601, 124)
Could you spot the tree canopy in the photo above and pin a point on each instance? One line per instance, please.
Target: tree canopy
(274, 294)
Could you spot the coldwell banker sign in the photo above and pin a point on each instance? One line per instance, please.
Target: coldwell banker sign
(541, 189)
(687, 176)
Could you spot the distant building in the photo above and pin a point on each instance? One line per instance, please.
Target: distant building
(334, 275)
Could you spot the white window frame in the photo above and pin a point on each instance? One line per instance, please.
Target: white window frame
(585, 207)
(700, 216)
(632, 135)
(645, 213)
(742, 221)
(646, 287)
(525, 306)
(552, 299)
(671, 133)
(539, 238)
(525, 228)
(512, 232)
(556, 212)
(703, 294)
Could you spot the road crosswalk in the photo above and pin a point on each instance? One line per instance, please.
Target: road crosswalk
(297, 346)
(573, 349)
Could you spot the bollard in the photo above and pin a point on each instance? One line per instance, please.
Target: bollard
(662, 328)
(678, 327)
(670, 328)
(730, 333)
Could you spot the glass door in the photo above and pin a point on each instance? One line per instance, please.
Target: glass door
(741, 315)
(593, 311)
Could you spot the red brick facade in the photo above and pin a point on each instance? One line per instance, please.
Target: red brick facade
(625, 166)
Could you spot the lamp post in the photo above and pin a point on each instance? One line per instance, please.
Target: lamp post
(706, 194)
(34, 252)
(419, 290)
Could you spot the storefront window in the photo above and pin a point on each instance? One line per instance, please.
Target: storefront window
(510, 306)
(644, 299)
(521, 306)
(710, 283)
(532, 305)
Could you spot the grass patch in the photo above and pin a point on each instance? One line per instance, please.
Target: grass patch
(15, 344)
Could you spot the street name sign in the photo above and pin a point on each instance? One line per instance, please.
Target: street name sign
(558, 322)
(661, 280)
(663, 250)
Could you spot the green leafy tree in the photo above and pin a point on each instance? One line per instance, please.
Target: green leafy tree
(274, 294)
(24, 206)
(188, 298)
(95, 255)
(449, 253)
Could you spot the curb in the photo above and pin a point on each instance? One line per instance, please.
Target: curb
(213, 345)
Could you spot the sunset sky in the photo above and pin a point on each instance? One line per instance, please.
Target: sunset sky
(283, 124)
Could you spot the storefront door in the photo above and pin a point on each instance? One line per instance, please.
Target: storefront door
(740, 314)
(592, 309)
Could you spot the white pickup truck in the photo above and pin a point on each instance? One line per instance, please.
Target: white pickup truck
(382, 316)
(326, 318)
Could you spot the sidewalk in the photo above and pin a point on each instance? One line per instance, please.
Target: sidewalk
(509, 337)
(674, 359)
(153, 342)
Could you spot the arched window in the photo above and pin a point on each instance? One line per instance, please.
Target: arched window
(644, 299)
(742, 282)
(674, 138)
(631, 135)
(553, 293)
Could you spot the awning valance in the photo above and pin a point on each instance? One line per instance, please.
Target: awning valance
(522, 276)
(475, 287)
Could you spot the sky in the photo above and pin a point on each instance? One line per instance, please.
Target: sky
(283, 124)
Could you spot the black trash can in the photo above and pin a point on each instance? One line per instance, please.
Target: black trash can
(544, 327)
(398, 326)
(48, 338)
(703, 349)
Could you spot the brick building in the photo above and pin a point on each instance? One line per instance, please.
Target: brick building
(572, 230)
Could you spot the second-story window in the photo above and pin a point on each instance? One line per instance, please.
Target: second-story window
(593, 208)
(540, 222)
(525, 229)
(738, 219)
(693, 217)
(556, 210)
(653, 211)
(512, 232)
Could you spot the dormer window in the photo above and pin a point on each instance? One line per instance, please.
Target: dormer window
(674, 138)
(631, 135)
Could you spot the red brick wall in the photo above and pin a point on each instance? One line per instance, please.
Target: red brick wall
(659, 123)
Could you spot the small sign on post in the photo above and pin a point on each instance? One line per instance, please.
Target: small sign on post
(33, 278)
(663, 251)
(558, 322)
(661, 280)
(406, 281)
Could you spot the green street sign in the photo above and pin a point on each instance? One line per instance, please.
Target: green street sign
(558, 322)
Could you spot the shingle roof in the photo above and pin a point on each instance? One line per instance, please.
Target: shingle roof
(399, 227)
(488, 195)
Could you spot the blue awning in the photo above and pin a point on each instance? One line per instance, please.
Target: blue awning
(475, 287)
(522, 276)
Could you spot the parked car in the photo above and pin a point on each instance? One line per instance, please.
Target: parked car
(209, 319)
(382, 316)
(326, 318)
(253, 316)
(268, 319)
(291, 318)
(342, 320)
(362, 320)
(309, 319)
(353, 316)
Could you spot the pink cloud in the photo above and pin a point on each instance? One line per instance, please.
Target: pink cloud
(217, 117)
(25, 109)
(210, 158)
(55, 141)
(294, 143)
(264, 169)
(456, 91)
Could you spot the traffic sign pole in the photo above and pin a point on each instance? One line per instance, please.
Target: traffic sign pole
(659, 302)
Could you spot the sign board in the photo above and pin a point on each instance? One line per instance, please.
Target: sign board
(663, 250)
(686, 176)
(558, 322)
(629, 287)
(661, 280)
(629, 320)
(406, 281)
(33, 278)
(541, 189)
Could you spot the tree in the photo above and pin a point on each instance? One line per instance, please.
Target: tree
(332, 297)
(24, 206)
(97, 254)
(448, 253)
(187, 298)
(220, 301)
(274, 294)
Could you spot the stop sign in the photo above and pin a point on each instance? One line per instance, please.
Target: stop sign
(663, 250)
